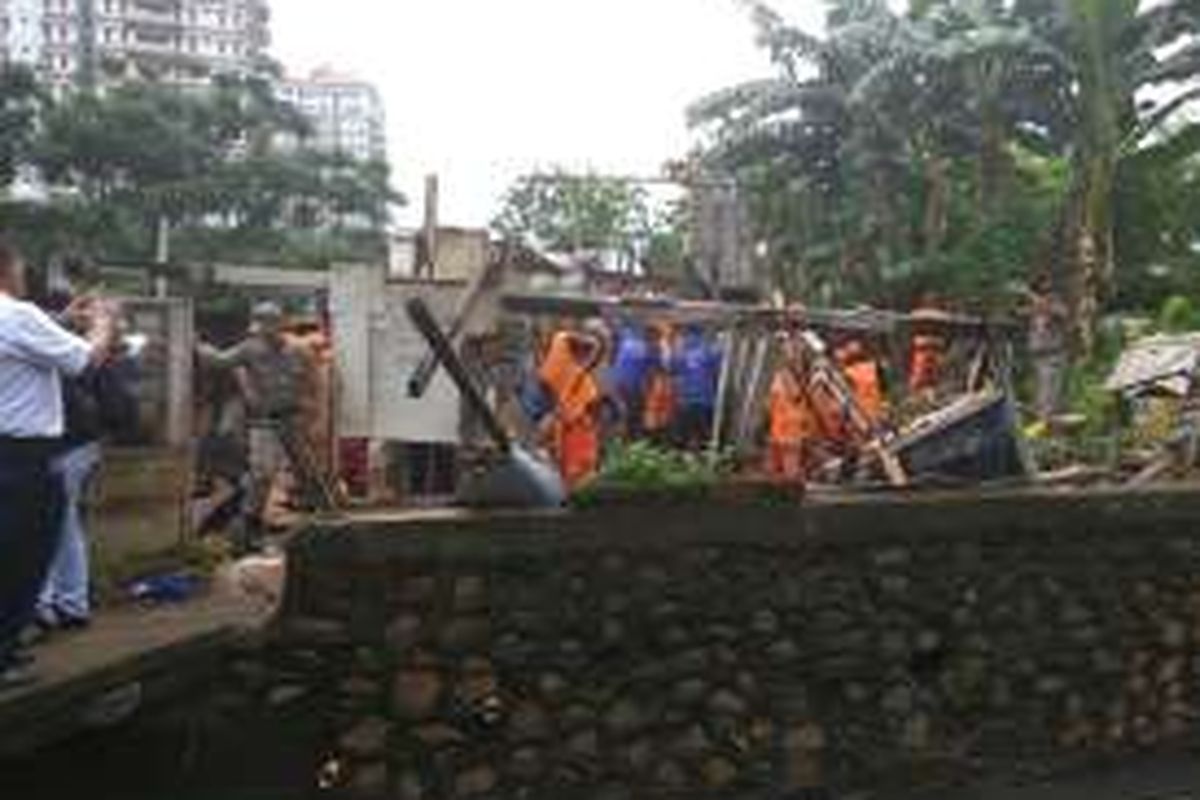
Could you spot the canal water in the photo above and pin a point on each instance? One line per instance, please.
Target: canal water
(207, 748)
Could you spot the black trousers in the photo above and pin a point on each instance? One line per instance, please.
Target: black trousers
(31, 508)
(634, 408)
(693, 427)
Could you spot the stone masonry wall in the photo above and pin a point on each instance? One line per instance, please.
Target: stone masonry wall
(732, 651)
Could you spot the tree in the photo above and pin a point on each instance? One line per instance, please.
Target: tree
(575, 213)
(592, 214)
(1155, 224)
(210, 166)
(1118, 49)
(21, 100)
(829, 171)
(900, 146)
(143, 146)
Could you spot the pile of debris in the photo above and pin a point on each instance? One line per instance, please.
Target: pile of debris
(1156, 381)
(964, 432)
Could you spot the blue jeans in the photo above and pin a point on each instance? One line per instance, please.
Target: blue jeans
(30, 507)
(66, 592)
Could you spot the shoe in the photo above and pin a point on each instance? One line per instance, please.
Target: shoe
(16, 677)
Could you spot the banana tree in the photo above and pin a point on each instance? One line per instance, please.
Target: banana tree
(1131, 62)
(844, 172)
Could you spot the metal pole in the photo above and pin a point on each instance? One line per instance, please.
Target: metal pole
(430, 233)
(162, 256)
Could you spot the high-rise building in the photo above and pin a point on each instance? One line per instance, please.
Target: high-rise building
(21, 30)
(346, 114)
(105, 42)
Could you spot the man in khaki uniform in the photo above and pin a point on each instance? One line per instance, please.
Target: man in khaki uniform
(272, 376)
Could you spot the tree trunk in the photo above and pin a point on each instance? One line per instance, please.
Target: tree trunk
(935, 222)
(1089, 257)
(887, 233)
(994, 168)
(1102, 98)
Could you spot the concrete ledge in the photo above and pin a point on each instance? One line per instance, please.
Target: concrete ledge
(831, 520)
(126, 663)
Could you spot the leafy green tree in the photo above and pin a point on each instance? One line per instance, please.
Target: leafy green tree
(832, 148)
(209, 165)
(1155, 224)
(575, 213)
(21, 100)
(1118, 50)
(969, 139)
(568, 213)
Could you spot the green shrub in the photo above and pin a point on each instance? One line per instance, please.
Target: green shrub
(1178, 315)
(643, 468)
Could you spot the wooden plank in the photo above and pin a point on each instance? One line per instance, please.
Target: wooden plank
(762, 354)
(180, 341)
(723, 388)
(724, 314)
(273, 277)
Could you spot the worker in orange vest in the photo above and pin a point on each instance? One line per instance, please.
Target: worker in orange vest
(863, 374)
(659, 413)
(832, 437)
(568, 373)
(928, 355)
(791, 420)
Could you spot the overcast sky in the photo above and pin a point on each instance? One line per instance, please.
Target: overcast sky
(481, 91)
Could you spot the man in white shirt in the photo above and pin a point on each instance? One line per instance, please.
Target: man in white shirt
(35, 352)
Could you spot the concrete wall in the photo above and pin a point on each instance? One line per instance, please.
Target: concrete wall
(726, 649)
(139, 504)
(377, 348)
(461, 253)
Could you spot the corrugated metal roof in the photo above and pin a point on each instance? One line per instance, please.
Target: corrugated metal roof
(1160, 363)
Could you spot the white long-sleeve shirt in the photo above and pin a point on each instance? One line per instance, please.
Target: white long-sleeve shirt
(35, 351)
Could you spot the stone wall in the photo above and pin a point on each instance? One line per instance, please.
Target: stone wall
(741, 650)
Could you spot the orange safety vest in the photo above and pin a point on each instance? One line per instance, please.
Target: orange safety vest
(864, 380)
(576, 394)
(660, 402)
(792, 426)
(925, 365)
(791, 417)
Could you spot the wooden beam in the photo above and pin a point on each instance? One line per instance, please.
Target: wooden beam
(866, 321)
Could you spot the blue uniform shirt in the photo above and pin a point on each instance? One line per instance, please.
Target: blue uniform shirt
(697, 368)
(632, 362)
